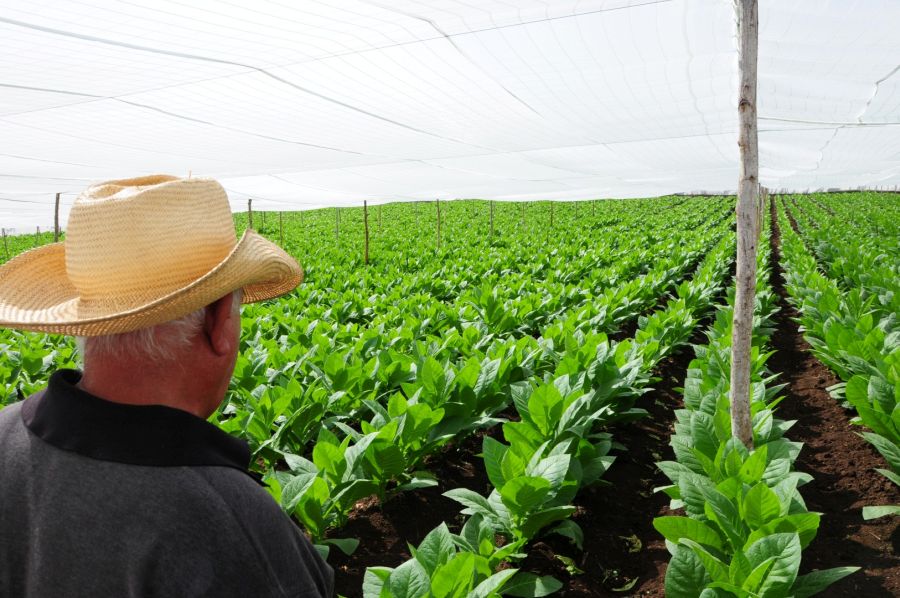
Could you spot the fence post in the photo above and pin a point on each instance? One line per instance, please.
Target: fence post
(366, 225)
(56, 221)
(249, 213)
(492, 220)
(747, 211)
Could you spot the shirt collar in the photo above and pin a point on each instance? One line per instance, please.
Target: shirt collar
(154, 435)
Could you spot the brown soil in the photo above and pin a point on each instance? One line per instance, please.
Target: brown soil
(841, 462)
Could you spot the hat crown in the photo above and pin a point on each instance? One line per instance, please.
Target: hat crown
(153, 234)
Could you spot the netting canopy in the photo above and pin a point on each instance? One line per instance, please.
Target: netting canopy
(330, 102)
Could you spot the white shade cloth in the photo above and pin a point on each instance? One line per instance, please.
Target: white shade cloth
(329, 102)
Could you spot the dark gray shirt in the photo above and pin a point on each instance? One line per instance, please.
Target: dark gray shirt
(101, 499)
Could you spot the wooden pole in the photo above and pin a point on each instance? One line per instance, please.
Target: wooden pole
(5, 246)
(366, 225)
(281, 227)
(37, 237)
(56, 221)
(492, 220)
(249, 213)
(437, 202)
(747, 211)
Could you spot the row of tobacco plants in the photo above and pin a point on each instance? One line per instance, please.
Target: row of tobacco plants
(847, 289)
(745, 524)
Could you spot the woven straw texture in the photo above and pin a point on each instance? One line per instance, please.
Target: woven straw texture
(140, 252)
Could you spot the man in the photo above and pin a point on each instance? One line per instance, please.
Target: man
(112, 482)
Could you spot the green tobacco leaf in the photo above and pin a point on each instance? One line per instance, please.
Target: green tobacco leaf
(529, 585)
(474, 502)
(760, 505)
(409, 580)
(674, 529)
(814, 582)
(889, 450)
(493, 452)
(524, 494)
(346, 545)
(374, 582)
(786, 550)
(753, 468)
(436, 549)
(715, 568)
(455, 578)
(880, 511)
(493, 584)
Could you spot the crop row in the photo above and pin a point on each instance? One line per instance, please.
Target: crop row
(558, 445)
(850, 320)
(745, 524)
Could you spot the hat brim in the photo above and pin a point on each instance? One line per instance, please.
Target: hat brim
(36, 294)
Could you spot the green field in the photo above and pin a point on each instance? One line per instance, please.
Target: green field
(536, 332)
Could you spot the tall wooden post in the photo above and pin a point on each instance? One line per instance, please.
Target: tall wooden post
(281, 227)
(5, 246)
(56, 221)
(437, 203)
(249, 213)
(747, 211)
(492, 219)
(366, 225)
(37, 237)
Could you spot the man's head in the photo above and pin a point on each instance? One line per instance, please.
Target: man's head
(148, 275)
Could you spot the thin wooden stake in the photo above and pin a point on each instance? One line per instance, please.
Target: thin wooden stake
(5, 246)
(37, 237)
(437, 202)
(492, 220)
(747, 211)
(249, 213)
(366, 225)
(56, 221)
(281, 227)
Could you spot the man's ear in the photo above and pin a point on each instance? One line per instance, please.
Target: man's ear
(218, 325)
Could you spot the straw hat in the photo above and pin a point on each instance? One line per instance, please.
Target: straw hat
(140, 252)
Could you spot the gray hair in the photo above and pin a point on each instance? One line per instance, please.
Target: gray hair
(160, 344)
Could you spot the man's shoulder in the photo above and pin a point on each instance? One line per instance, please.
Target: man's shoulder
(10, 415)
